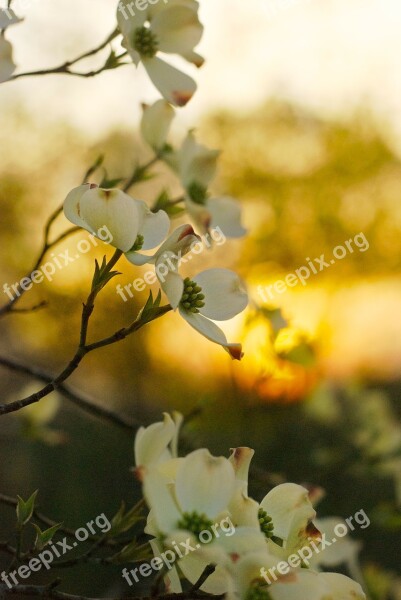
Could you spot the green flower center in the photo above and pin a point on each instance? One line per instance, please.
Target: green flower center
(197, 192)
(138, 244)
(195, 523)
(145, 42)
(258, 591)
(265, 523)
(192, 299)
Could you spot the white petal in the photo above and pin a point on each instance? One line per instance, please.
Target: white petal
(226, 214)
(72, 208)
(213, 333)
(8, 17)
(225, 296)
(205, 483)
(192, 567)
(7, 66)
(197, 162)
(343, 551)
(241, 460)
(342, 587)
(160, 499)
(112, 209)
(154, 227)
(171, 579)
(176, 87)
(140, 259)
(179, 242)
(160, 6)
(199, 214)
(283, 504)
(244, 510)
(248, 569)
(151, 442)
(194, 58)
(178, 29)
(156, 123)
(300, 584)
(172, 285)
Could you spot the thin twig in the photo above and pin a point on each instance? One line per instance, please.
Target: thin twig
(65, 67)
(139, 172)
(84, 349)
(209, 570)
(84, 403)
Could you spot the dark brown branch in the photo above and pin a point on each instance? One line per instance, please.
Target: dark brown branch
(209, 570)
(84, 403)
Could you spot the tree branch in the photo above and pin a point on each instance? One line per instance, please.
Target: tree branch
(85, 404)
(84, 349)
(65, 67)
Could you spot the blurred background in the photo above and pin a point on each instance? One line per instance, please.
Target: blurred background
(304, 100)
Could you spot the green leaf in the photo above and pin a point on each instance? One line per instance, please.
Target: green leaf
(108, 184)
(303, 354)
(174, 211)
(44, 537)
(162, 200)
(151, 310)
(25, 509)
(102, 276)
(133, 552)
(122, 521)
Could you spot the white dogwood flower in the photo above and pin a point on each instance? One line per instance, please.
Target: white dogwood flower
(201, 491)
(213, 295)
(196, 166)
(7, 65)
(170, 28)
(130, 223)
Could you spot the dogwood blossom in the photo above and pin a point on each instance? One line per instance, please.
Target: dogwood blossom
(196, 166)
(213, 295)
(188, 502)
(130, 222)
(202, 490)
(171, 28)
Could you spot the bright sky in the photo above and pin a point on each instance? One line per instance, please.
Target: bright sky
(329, 54)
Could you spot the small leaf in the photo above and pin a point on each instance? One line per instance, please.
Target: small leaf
(102, 276)
(133, 552)
(121, 522)
(44, 537)
(25, 509)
